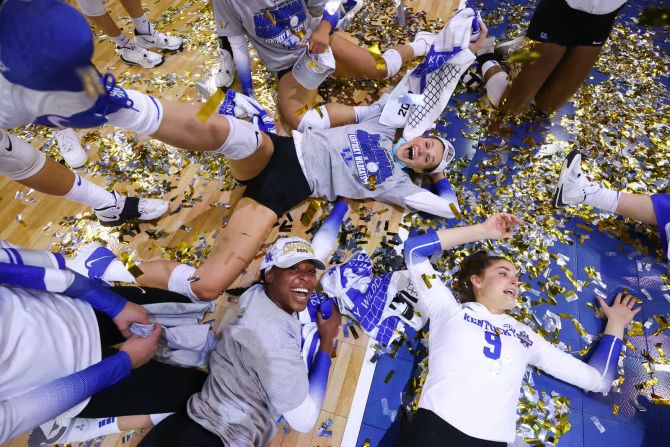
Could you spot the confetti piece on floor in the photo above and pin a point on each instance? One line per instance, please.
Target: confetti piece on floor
(598, 424)
(210, 106)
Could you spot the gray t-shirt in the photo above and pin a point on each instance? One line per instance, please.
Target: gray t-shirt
(355, 161)
(275, 28)
(256, 374)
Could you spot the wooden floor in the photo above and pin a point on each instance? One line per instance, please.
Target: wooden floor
(34, 220)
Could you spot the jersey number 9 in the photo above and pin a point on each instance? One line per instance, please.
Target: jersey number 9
(493, 339)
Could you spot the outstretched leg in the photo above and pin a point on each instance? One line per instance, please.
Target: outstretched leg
(237, 244)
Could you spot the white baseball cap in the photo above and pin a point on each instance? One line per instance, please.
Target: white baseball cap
(287, 252)
(449, 153)
(312, 69)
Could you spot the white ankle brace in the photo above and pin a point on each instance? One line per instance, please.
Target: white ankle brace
(393, 62)
(495, 87)
(179, 281)
(313, 119)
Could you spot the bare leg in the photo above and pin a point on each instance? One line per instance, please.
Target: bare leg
(181, 128)
(531, 78)
(127, 423)
(134, 8)
(567, 77)
(354, 61)
(293, 97)
(54, 179)
(106, 24)
(236, 246)
(637, 206)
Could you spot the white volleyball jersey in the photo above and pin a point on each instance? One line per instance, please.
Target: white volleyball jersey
(477, 360)
(43, 336)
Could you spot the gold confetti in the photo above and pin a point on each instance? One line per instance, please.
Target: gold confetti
(525, 56)
(127, 261)
(658, 400)
(209, 107)
(301, 110)
(90, 80)
(615, 409)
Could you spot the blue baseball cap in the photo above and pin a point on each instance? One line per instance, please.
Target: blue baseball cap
(43, 43)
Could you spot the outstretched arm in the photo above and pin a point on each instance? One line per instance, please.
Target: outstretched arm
(601, 369)
(436, 298)
(38, 405)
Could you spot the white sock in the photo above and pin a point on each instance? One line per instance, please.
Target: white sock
(84, 429)
(88, 193)
(158, 417)
(364, 112)
(496, 86)
(603, 198)
(420, 47)
(179, 281)
(121, 40)
(141, 25)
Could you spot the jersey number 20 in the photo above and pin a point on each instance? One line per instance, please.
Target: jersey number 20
(493, 339)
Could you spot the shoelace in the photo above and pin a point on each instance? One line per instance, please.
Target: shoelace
(113, 95)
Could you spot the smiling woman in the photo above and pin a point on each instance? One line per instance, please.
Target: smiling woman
(478, 353)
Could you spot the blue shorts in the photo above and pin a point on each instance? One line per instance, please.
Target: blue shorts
(662, 209)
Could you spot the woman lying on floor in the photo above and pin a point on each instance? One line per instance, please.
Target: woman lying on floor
(479, 354)
(357, 161)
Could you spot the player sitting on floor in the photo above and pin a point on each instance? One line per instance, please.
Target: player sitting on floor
(257, 372)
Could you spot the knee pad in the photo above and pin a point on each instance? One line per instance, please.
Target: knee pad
(315, 120)
(180, 281)
(92, 8)
(243, 139)
(495, 87)
(19, 160)
(144, 117)
(393, 62)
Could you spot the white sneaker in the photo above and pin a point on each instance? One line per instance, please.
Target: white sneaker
(226, 75)
(156, 39)
(131, 54)
(504, 49)
(573, 186)
(69, 144)
(130, 208)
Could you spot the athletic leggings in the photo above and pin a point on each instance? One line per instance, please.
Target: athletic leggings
(153, 388)
(179, 430)
(429, 430)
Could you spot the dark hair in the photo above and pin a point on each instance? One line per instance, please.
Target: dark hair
(475, 264)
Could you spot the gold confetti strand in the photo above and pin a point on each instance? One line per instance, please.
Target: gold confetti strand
(301, 110)
(90, 80)
(524, 56)
(376, 52)
(615, 409)
(209, 107)
(659, 400)
(128, 262)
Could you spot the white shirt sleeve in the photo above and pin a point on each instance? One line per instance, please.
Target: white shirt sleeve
(565, 367)
(435, 298)
(430, 203)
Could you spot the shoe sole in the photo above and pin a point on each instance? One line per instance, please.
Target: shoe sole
(121, 221)
(558, 190)
(76, 163)
(140, 65)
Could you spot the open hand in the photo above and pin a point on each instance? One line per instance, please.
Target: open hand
(622, 310)
(500, 226)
